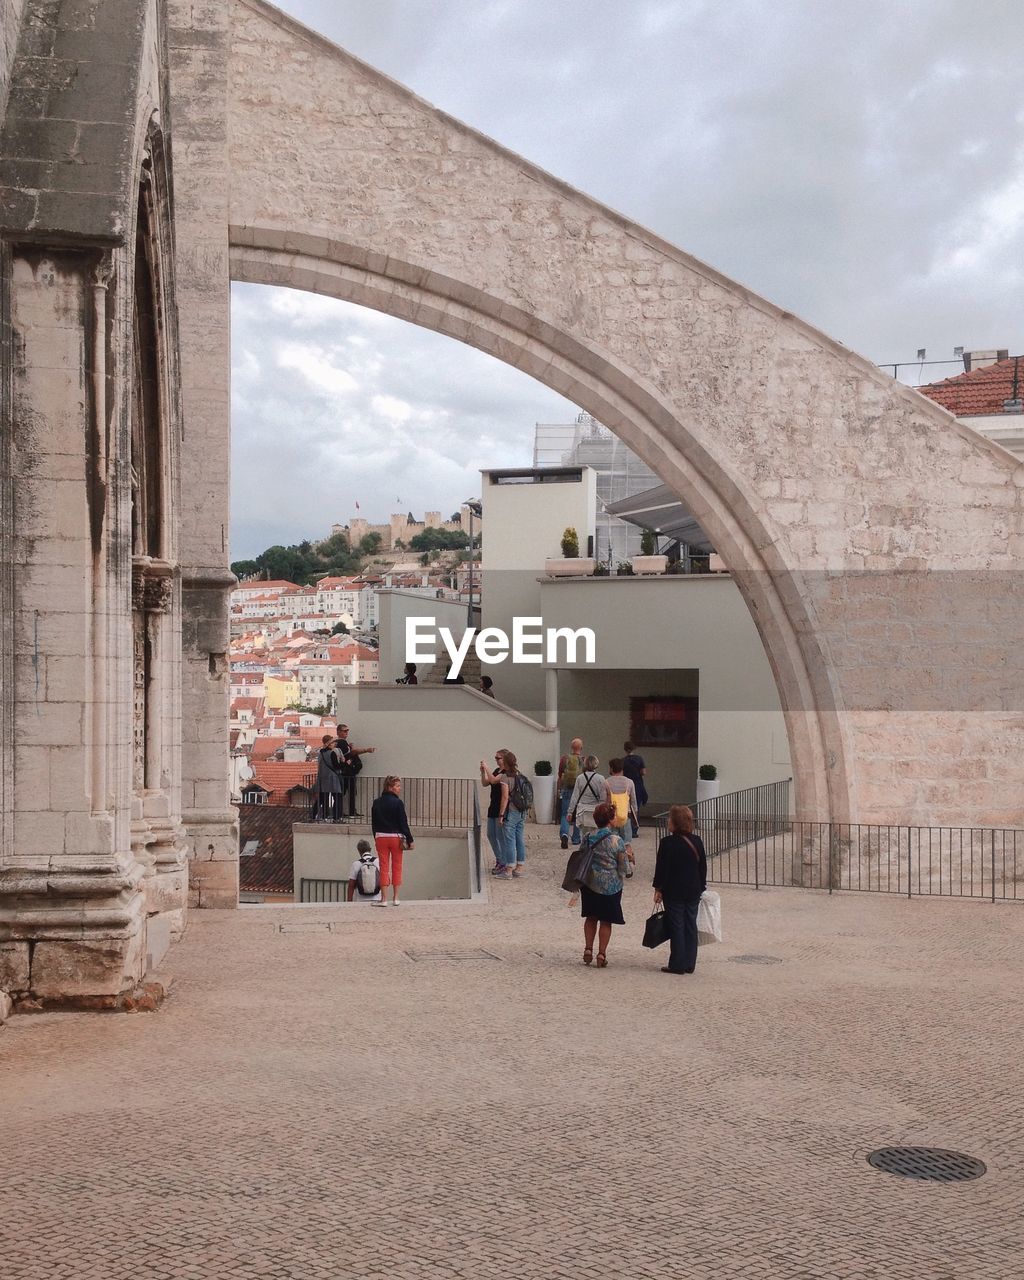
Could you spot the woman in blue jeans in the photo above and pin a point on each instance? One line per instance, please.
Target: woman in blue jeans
(513, 824)
(680, 877)
(498, 784)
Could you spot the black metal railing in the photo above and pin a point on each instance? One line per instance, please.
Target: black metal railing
(951, 862)
(765, 848)
(312, 890)
(429, 802)
(734, 819)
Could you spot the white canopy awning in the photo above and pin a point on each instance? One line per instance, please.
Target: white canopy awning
(659, 509)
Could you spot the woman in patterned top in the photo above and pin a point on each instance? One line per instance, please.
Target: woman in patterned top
(601, 892)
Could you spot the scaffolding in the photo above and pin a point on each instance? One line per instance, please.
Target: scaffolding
(620, 474)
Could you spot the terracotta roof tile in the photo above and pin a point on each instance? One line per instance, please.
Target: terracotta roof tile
(980, 392)
(279, 777)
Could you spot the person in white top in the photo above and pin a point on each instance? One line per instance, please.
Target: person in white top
(364, 876)
(586, 795)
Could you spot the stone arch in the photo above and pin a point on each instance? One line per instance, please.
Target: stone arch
(637, 413)
(837, 496)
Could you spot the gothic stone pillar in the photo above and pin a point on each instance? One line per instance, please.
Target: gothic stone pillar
(199, 38)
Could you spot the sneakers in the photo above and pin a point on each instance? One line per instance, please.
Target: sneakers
(565, 842)
(519, 871)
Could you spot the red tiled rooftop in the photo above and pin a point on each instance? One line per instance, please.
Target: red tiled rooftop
(246, 704)
(278, 777)
(982, 391)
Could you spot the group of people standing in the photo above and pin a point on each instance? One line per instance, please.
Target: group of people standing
(506, 814)
(581, 788)
(379, 867)
(680, 877)
(338, 764)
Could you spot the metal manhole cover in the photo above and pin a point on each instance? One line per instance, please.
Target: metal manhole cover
(476, 953)
(756, 959)
(927, 1164)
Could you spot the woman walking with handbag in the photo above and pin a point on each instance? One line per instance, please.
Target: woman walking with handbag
(601, 884)
(680, 877)
(587, 794)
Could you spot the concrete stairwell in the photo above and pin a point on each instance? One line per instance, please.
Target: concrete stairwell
(470, 671)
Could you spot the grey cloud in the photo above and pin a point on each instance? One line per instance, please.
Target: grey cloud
(860, 164)
(421, 417)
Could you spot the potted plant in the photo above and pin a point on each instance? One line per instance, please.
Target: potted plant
(572, 564)
(624, 569)
(707, 782)
(544, 791)
(648, 561)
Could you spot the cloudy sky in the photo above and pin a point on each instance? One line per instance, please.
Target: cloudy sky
(860, 163)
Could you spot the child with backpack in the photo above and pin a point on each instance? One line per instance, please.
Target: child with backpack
(364, 876)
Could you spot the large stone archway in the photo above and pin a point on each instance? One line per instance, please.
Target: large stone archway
(875, 539)
(835, 494)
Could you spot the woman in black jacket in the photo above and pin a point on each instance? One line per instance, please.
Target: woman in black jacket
(391, 835)
(680, 877)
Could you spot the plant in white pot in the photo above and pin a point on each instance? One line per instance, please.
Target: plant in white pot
(707, 782)
(544, 791)
(648, 561)
(572, 564)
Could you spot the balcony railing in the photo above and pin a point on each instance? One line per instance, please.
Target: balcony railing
(751, 840)
(429, 802)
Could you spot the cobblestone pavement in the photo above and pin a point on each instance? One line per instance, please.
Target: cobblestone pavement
(444, 1090)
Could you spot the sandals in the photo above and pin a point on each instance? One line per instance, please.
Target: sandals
(588, 956)
(602, 960)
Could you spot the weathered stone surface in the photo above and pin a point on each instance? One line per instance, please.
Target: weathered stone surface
(14, 961)
(829, 489)
(74, 969)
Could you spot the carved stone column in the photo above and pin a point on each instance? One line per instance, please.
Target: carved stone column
(199, 37)
(158, 839)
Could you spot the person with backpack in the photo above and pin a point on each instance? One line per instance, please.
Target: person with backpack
(601, 885)
(680, 877)
(569, 768)
(520, 797)
(391, 836)
(586, 795)
(621, 795)
(635, 769)
(364, 876)
(351, 768)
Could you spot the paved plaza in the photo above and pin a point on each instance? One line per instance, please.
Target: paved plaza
(444, 1090)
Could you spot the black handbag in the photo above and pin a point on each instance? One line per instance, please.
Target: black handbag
(656, 930)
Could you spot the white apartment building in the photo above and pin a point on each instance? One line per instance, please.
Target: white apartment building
(316, 682)
(340, 597)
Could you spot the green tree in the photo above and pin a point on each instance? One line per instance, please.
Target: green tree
(439, 540)
(339, 629)
(245, 568)
(370, 544)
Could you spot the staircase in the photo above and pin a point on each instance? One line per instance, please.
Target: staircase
(470, 671)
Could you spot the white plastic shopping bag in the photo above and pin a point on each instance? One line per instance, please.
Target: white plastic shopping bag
(709, 918)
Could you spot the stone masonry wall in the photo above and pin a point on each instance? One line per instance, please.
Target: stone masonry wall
(852, 510)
